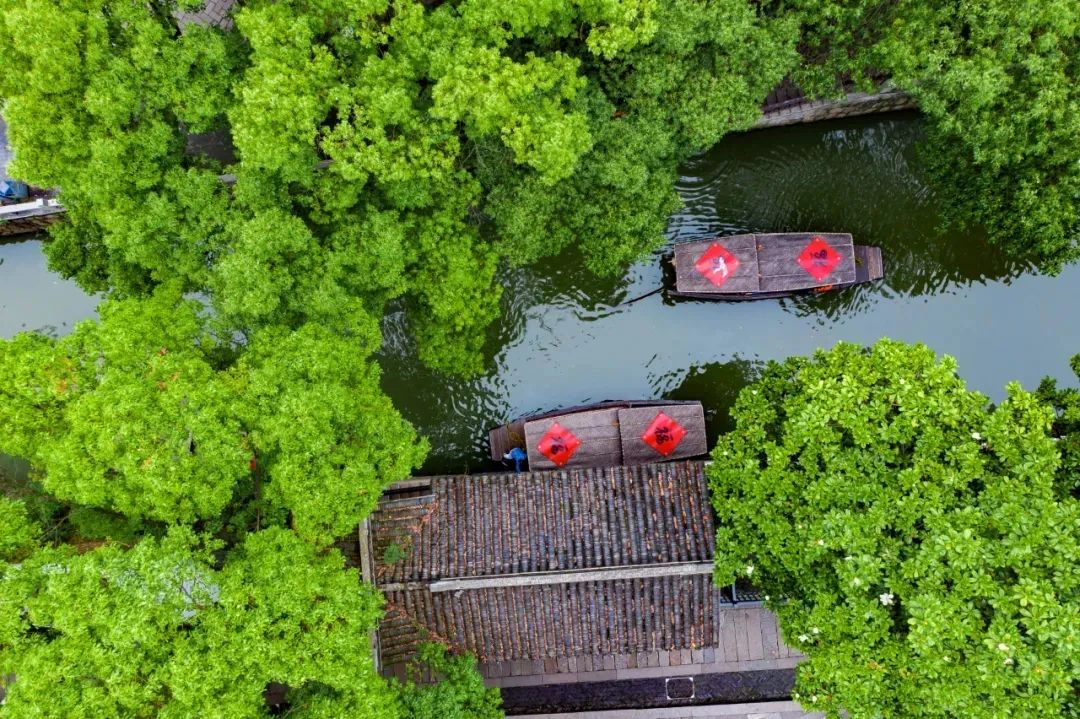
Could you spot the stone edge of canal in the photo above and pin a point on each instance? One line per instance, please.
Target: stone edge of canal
(650, 693)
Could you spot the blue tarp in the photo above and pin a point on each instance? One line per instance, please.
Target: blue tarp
(13, 190)
(5, 153)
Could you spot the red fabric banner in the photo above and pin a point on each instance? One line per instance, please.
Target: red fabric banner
(663, 434)
(558, 444)
(717, 264)
(818, 258)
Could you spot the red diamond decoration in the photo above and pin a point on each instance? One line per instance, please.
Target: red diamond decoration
(558, 444)
(717, 264)
(818, 258)
(664, 434)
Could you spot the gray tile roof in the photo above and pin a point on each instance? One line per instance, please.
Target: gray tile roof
(507, 524)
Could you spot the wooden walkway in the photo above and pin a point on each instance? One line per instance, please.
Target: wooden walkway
(758, 710)
(748, 639)
(795, 109)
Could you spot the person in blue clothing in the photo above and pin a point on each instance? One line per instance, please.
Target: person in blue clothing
(517, 454)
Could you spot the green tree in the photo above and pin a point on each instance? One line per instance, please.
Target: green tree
(463, 134)
(924, 558)
(998, 81)
(150, 414)
(329, 438)
(117, 86)
(459, 692)
(163, 630)
(384, 150)
(1066, 405)
(131, 413)
(18, 533)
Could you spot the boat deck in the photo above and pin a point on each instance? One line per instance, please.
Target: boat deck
(743, 267)
(610, 433)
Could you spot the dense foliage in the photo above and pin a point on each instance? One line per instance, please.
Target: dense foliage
(459, 694)
(150, 414)
(383, 149)
(152, 422)
(925, 556)
(999, 82)
(1066, 404)
(223, 421)
(182, 626)
(159, 630)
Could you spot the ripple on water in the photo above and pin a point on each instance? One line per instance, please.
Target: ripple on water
(567, 336)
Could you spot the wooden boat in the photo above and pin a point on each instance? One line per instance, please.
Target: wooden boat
(605, 434)
(753, 267)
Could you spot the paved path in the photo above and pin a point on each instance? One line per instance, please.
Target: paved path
(757, 710)
(654, 693)
(214, 12)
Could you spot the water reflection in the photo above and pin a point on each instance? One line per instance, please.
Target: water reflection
(569, 337)
(720, 382)
(32, 298)
(857, 176)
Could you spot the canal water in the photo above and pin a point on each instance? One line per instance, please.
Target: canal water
(567, 337)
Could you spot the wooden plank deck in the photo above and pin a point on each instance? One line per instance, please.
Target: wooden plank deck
(610, 433)
(505, 437)
(768, 263)
(778, 261)
(512, 434)
(743, 279)
(599, 434)
(868, 264)
(633, 423)
(746, 639)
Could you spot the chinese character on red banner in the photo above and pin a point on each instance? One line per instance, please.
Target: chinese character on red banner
(717, 264)
(558, 444)
(663, 434)
(818, 258)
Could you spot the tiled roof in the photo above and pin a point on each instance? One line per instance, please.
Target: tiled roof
(489, 524)
(560, 620)
(512, 524)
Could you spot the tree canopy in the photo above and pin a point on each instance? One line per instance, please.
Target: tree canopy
(999, 82)
(159, 630)
(1066, 404)
(460, 693)
(181, 625)
(383, 150)
(224, 422)
(910, 537)
(151, 414)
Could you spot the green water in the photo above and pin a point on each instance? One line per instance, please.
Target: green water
(32, 298)
(567, 338)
